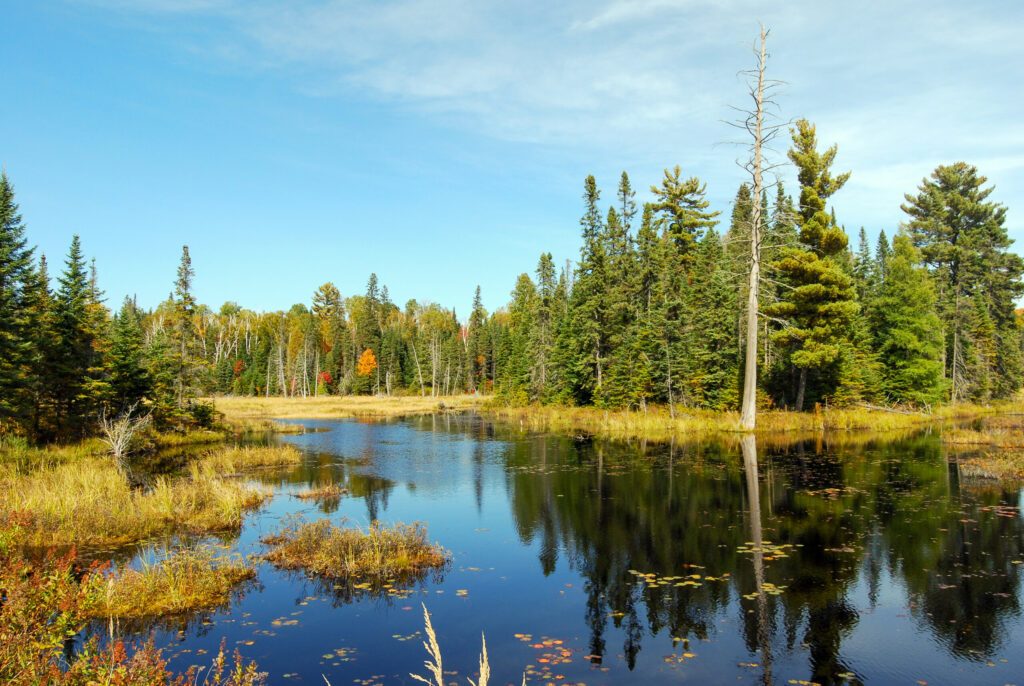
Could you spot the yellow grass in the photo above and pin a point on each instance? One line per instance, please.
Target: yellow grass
(377, 554)
(235, 459)
(86, 500)
(324, 493)
(325, 407)
(89, 502)
(179, 581)
(658, 424)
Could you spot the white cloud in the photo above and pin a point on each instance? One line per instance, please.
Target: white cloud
(650, 80)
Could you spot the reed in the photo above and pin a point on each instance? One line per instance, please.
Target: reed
(376, 554)
(657, 423)
(176, 581)
(236, 459)
(327, 492)
(88, 502)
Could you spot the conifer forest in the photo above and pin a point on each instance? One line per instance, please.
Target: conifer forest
(651, 311)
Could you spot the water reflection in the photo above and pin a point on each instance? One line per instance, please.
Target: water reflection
(831, 518)
(833, 561)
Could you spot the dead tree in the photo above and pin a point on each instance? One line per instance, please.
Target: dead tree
(758, 124)
(119, 433)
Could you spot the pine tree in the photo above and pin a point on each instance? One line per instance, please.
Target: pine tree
(584, 341)
(963, 239)
(329, 309)
(184, 330)
(15, 270)
(476, 344)
(683, 210)
(715, 379)
(515, 382)
(908, 333)
(542, 334)
(820, 304)
(74, 345)
(129, 380)
(39, 329)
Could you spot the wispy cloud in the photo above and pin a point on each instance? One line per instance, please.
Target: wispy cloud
(651, 79)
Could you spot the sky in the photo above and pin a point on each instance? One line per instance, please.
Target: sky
(443, 143)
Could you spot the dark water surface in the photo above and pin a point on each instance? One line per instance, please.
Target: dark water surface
(586, 561)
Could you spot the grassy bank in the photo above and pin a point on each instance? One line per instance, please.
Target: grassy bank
(76, 495)
(658, 423)
(991, 449)
(238, 408)
(178, 581)
(377, 554)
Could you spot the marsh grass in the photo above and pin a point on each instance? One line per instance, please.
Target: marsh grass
(1000, 465)
(177, 581)
(658, 423)
(377, 554)
(238, 408)
(325, 493)
(76, 496)
(89, 502)
(237, 459)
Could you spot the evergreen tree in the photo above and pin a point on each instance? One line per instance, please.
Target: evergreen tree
(15, 348)
(74, 345)
(542, 334)
(683, 210)
(963, 239)
(184, 329)
(329, 310)
(715, 379)
(476, 344)
(585, 340)
(908, 333)
(39, 330)
(820, 304)
(129, 378)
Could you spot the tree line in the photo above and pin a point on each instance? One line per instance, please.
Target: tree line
(652, 311)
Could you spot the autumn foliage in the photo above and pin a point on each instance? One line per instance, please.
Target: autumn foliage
(367, 363)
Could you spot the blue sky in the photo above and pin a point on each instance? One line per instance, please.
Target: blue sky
(443, 143)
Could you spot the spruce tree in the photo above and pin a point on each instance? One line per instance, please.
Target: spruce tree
(129, 378)
(39, 312)
(74, 345)
(714, 383)
(542, 332)
(820, 304)
(908, 333)
(586, 338)
(184, 331)
(15, 270)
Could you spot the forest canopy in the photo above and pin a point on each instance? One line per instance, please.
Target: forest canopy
(650, 312)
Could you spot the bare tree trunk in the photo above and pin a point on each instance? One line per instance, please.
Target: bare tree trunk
(748, 419)
(419, 371)
(800, 389)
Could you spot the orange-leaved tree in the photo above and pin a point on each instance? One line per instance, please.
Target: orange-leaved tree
(367, 363)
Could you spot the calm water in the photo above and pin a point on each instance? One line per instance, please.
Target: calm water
(595, 562)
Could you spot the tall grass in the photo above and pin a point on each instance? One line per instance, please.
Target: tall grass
(236, 408)
(89, 502)
(236, 459)
(657, 423)
(376, 554)
(176, 581)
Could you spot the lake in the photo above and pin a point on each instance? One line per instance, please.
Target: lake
(587, 561)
